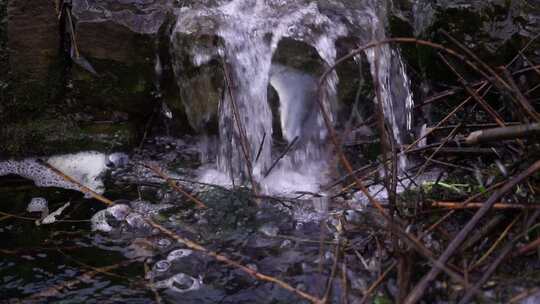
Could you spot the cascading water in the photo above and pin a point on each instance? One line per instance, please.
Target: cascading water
(249, 33)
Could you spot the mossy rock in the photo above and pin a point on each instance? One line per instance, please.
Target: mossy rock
(51, 136)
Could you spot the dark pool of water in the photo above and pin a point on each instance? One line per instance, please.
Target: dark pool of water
(67, 262)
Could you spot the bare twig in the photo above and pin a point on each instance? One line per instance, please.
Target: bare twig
(377, 283)
(175, 185)
(420, 288)
(261, 146)
(82, 187)
(502, 255)
(289, 147)
(497, 134)
(242, 132)
(476, 205)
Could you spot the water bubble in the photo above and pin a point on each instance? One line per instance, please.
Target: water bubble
(162, 266)
(100, 223)
(184, 283)
(180, 283)
(105, 220)
(178, 254)
(136, 220)
(164, 243)
(119, 212)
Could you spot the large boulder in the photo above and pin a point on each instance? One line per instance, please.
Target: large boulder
(42, 110)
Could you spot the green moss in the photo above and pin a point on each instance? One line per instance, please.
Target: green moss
(118, 87)
(51, 136)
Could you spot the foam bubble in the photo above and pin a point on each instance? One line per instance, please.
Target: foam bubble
(38, 204)
(180, 283)
(178, 254)
(85, 167)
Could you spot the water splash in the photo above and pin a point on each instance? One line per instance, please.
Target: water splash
(248, 33)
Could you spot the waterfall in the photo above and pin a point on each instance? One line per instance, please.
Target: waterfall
(249, 32)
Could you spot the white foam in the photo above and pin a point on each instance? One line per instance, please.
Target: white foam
(285, 181)
(38, 204)
(85, 167)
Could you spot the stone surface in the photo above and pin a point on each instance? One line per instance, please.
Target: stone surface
(34, 38)
(200, 79)
(118, 39)
(494, 30)
(122, 39)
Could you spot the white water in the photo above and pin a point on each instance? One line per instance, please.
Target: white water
(85, 167)
(250, 31)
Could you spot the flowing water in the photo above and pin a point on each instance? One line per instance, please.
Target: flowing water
(250, 32)
(280, 238)
(58, 262)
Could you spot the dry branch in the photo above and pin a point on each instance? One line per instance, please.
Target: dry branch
(175, 185)
(476, 205)
(505, 133)
(420, 288)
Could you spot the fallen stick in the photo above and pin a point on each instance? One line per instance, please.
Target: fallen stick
(56, 290)
(175, 186)
(476, 205)
(82, 187)
(242, 133)
(420, 288)
(527, 248)
(377, 283)
(499, 259)
(505, 133)
(281, 156)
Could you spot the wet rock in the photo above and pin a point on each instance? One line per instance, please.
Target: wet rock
(55, 134)
(34, 40)
(300, 56)
(118, 39)
(199, 73)
(494, 30)
(32, 78)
